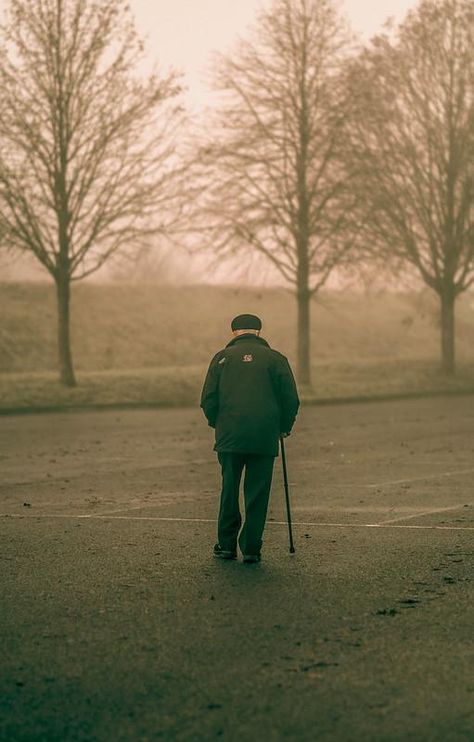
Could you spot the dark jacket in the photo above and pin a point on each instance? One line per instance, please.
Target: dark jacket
(249, 397)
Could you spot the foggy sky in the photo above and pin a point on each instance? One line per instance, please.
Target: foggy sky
(183, 33)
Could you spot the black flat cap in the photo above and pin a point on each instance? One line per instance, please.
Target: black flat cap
(246, 322)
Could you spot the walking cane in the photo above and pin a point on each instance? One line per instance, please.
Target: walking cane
(287, 495)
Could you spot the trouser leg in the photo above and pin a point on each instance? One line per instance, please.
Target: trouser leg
(257, 486)
(230, 519)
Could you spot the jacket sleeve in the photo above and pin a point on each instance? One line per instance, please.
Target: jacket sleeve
(287, 394)
(210, 392)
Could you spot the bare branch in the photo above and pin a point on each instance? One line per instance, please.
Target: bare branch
(413, 142)
(87, 151)
(277, 162)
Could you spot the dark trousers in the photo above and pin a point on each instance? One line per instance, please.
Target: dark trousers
(257, 485)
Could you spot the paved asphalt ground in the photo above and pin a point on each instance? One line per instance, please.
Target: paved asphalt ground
(117, 624)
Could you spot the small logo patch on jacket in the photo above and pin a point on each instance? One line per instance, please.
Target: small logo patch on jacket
(248, 358)
(222, 361)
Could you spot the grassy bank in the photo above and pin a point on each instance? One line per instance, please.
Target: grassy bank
(176, 386)
(150, 345)
(118, 328)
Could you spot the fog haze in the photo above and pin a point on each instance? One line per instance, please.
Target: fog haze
(183, 35)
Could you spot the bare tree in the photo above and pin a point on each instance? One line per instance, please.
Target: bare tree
(279, 184)
(413, 138)
(86, 147)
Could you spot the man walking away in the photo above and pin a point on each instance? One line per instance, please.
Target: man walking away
(250, 398)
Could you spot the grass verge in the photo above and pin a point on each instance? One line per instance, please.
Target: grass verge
(180, 386)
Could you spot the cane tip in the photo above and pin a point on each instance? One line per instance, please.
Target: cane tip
(292, 550)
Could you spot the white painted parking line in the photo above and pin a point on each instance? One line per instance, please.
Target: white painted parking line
(126, 509)
(157, 518)
(421, 514)
(421, 479)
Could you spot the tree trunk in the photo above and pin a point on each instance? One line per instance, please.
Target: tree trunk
(63, 293)
(304, 365)
(447, 332)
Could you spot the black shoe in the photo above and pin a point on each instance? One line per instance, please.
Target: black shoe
(251, 558)
(221, 553)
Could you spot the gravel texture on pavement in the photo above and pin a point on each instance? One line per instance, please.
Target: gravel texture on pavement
(116, 623)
